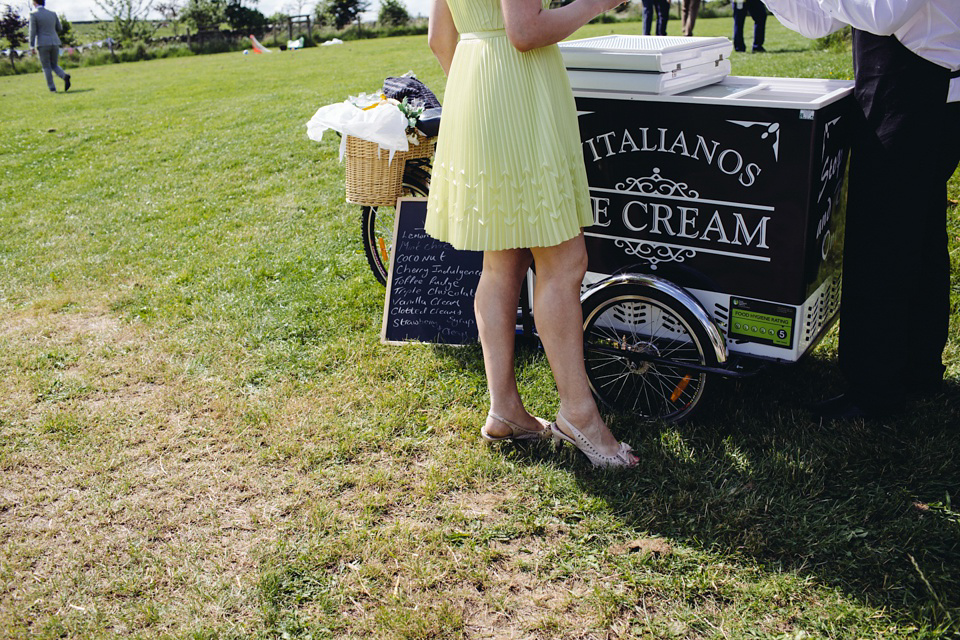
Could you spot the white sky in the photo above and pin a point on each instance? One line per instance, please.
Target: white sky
(85, 9)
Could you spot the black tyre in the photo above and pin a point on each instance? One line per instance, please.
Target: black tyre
(378, 222)
(637, 341)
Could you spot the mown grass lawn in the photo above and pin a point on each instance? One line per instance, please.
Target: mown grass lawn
(201, 435)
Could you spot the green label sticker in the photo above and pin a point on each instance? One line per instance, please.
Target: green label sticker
(763, 322)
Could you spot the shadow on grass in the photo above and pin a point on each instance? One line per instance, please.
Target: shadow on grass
(862, 506)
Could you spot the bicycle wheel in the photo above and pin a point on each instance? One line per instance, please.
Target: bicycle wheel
(637, 340)
(378, 222)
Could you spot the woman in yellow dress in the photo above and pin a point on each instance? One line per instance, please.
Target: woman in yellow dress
(509, 180)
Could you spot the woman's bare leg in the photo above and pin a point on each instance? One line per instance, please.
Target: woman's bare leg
(498, 294)
(559, 318)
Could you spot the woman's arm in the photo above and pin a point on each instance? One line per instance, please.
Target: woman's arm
(442, 34)
(530, 26)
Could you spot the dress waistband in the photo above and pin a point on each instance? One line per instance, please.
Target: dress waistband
(482, 35)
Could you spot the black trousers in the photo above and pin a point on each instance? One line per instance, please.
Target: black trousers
(662, 9)
(758, 13)
(896, 272)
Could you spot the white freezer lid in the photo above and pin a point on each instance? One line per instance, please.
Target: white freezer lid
(643, 53)
(747, 91)
(649, 83)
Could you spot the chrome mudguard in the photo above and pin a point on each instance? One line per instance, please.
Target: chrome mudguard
(677, 293)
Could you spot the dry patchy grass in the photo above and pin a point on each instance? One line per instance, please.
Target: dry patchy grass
(132, 493)
(202, 436)
(140, 499)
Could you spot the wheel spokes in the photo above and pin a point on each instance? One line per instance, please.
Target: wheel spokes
(627, 380)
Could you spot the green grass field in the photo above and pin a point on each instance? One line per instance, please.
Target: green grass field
(201, 435)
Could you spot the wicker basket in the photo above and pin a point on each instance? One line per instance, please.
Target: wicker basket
(372, 179)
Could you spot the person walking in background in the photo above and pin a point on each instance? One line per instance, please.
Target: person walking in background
(758, 13)
(896, 264)
(688, 15)
(44, 27)
(662, 10)
(509, 180)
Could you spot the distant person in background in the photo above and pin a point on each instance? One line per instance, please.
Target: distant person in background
(44, 27)
(662, 9)
(758, 13)
(895, 313)
(688, 15)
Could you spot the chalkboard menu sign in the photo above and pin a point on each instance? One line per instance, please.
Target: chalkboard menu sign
(431, 285)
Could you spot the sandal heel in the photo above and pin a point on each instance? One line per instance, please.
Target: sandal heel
(517, 432)
(623, 457)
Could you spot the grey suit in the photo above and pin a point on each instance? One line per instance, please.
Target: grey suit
(44, 26)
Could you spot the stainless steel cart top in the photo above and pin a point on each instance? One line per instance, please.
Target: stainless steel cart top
(749, 91)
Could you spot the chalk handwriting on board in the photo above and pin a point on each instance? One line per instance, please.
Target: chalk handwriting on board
(430, 286)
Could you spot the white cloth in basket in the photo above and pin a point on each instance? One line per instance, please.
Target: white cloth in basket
(384, 124)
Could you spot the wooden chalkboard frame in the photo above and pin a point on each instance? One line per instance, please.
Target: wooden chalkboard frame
(430, 285)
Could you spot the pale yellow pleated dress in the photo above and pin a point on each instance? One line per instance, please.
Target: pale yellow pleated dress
(509, 169)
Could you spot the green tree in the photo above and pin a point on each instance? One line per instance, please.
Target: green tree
(171, 14)
(321, 14)
(277, 21)
(11, 28)
(393, 13)
(245, 19)
(204, 15)
(346, 11)
(67, 36)
(128, 19)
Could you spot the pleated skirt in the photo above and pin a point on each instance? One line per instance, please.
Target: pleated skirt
(509, 170)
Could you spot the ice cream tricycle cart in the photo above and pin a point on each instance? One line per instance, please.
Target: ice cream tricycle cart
(718, 217)
(718, 206)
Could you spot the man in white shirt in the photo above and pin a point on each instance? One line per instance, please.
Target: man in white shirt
(896, 270)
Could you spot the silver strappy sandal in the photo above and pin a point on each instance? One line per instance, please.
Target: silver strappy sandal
(621, 459)
(517, 432)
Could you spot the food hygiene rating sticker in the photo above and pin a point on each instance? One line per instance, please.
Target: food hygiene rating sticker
(763, 322)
